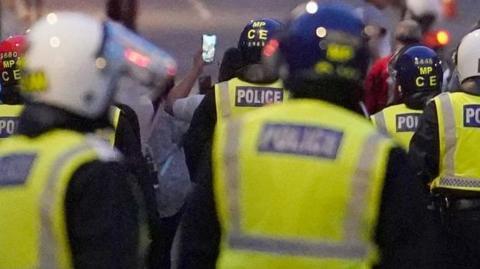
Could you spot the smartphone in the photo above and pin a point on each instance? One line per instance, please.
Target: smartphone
(208, 47)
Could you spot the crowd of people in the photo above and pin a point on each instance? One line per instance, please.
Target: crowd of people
(322, 144)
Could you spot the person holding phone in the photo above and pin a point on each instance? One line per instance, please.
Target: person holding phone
(184, 107)
(243, 86)
(180, 105)
(172, 181)
(309, 183)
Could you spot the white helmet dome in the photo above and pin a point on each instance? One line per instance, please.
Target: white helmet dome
(468, 55)
(421, 8)
(74, 62)
(61, 65)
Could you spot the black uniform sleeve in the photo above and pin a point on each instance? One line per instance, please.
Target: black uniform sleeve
(102, 217)
(200, 229)
(127, 141)
(200, 134)
(403, 216)
(425, 147)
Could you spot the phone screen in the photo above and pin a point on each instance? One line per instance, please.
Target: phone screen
(208, 47)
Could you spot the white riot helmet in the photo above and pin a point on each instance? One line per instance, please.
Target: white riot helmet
(468, 55)
(425, 12)
(74, 61)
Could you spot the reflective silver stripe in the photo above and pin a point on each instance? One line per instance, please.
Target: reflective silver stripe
(459, 182)
(450, 134)
(380, 122)
(233, 171)
(48, 245)
(360, 184)
(293, 247)
(351, 247)
(225, 99)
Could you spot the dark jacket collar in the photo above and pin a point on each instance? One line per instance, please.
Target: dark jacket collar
(256, 73)
(471, 86)
(419, 100)
(37, 119)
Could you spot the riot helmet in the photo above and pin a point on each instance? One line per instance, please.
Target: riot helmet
(254, 37)
(11, 51)
(467, 56)
(418, 73)
(323, 54)
(74, 62)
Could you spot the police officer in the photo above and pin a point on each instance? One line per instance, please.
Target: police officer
(418, 73)
(65, 200)
(11, 50)
(246, 87)
(309, 183)
(445, 149)
(379, 87)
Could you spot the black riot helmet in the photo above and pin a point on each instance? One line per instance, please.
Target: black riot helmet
(418, 73)
(323, 54)
(255, 36)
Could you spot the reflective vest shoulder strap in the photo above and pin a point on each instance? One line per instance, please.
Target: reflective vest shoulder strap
(379, 121)
(449, 131)
(223, 87)
(115, 115)
(49, 243)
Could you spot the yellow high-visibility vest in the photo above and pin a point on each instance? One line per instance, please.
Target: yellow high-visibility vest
(298, 186)
(9, 115)
(458, 116)
(109, 134)
(35, 173)
(399, 122)
(235, 97)
(114, 118)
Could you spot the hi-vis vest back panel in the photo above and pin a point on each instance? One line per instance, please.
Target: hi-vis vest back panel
(235, 97)
(398, 121)
(297, 191)
(34, 177)
(9, 115)
(459, 136)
